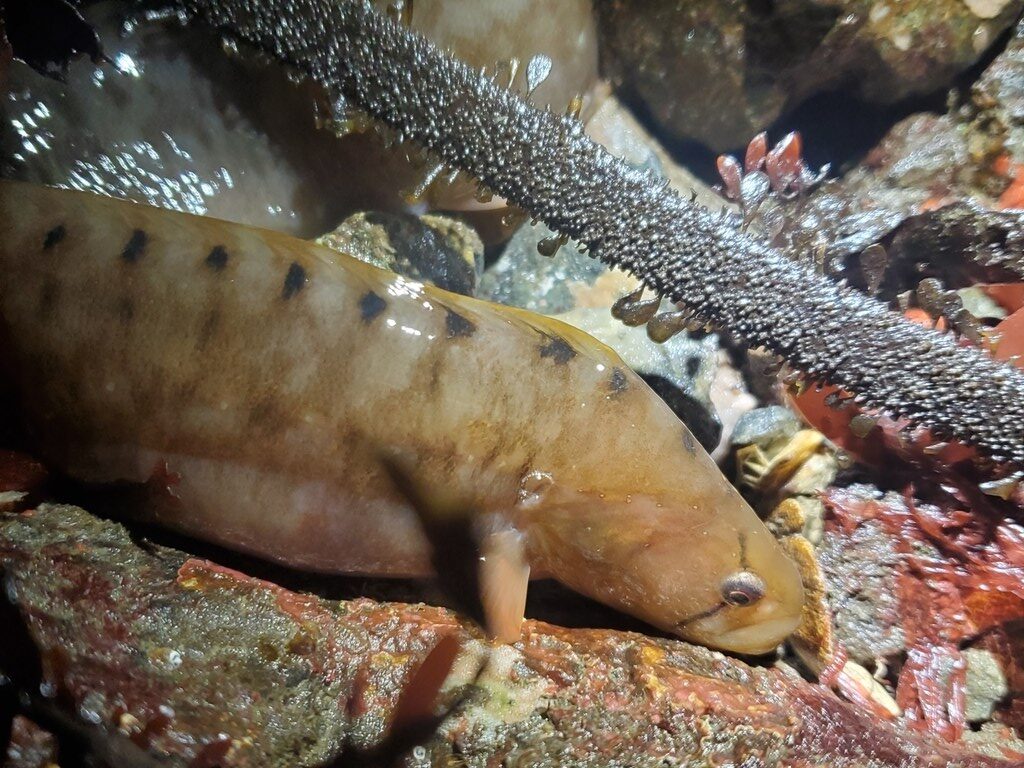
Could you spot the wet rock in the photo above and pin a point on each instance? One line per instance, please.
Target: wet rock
(97, 604)
(934, 243)
(681, 370)
(999, 95)
(924, 197)
(766, 427)
(731, 401)
(952, 583)
(1006, 644)
(927, 191)
(523, 277)
(986, 684)
(435, 249)
(861, 568)
(719, 72)
(977, 301)
(922, 160)
(996, 740)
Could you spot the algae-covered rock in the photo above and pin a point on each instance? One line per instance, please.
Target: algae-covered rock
(193, 663)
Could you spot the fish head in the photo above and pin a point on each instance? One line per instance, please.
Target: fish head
(709, 573)
(751, 599)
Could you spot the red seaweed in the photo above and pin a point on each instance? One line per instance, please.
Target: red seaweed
(960, 574)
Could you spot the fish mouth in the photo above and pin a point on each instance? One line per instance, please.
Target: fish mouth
(756, 639)
(682, 626)
(757, 636)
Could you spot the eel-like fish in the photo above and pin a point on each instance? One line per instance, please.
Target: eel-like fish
(274, 385)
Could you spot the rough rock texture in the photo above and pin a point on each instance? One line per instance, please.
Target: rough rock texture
(434, 249)
(196, 663)
(861, 570)
(999, 94)
(927, 195)
(719, 72)
(944, 573)
(927, 190)
(922, 163)
(985, 685)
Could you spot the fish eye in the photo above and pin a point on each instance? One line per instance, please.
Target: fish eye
(742, 588)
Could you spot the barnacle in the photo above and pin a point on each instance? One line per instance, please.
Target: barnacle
(543, 162)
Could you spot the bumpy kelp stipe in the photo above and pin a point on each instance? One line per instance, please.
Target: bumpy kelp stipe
(544, 163)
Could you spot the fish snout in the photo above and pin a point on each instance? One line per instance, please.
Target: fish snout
(752, 630)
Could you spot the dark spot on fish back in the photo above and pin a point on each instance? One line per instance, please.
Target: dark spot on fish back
(458, 326)
(618, 383)
(54, 236)
(558, 349)
(217, 259)
(294, 281)
(370, 306)
(135, 246)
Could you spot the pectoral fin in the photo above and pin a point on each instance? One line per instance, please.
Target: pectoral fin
(479, 559)
(504, 578)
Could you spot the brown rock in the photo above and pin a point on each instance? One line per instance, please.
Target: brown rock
(719, 72)
(198, 663)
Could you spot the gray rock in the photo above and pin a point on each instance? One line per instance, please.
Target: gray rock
(766, 427)
(994, 740)
(522, 277)
(441, 251)
(986, 684)
(999, 94)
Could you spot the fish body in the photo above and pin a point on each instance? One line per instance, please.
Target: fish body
(266, 378)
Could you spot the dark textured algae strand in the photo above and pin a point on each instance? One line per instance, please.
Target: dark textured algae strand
(545, 164)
